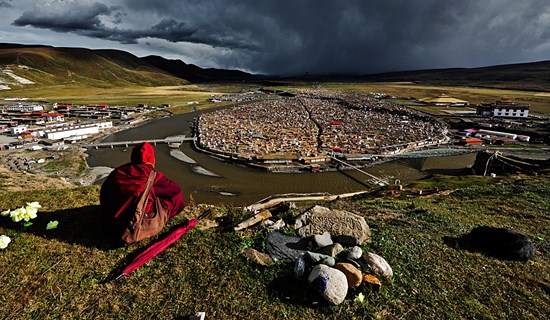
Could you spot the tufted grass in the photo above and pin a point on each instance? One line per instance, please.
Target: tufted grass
(67, 272)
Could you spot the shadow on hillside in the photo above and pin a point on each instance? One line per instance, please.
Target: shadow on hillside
(83, 226)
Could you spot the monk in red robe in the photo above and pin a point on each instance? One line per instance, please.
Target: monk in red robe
(123, 187)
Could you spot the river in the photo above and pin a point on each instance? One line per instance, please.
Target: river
(210, 180)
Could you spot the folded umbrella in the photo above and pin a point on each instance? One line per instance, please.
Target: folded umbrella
(159, 246)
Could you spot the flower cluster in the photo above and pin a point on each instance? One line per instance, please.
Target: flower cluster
(25, 213)
(4, 241)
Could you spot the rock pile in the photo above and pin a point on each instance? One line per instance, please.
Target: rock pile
(334, 273)
(327, 254)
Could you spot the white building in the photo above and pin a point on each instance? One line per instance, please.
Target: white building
(66, 133)
(20, 107)
(504, 108)
(17, 130)
(104, 124)
(55, 117)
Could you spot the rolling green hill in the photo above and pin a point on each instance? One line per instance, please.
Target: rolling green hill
(46, 65)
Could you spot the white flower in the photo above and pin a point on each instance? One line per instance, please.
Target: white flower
(32, 208)
(34, 205)
(24, 213)
(52, 225)
(360, 298)
(31, 213)
(4, 241)
(18, 214)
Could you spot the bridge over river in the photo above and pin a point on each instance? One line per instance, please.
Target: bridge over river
(432, 152)
(169, 140)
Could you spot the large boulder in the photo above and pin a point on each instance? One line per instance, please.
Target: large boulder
(331, 283)
(344, 226)
(280, 246)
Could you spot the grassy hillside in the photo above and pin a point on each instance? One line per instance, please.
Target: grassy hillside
(533, 76)
(194, 73)
(82, 67)
(63, 272)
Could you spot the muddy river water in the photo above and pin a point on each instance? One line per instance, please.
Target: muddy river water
(210, 180)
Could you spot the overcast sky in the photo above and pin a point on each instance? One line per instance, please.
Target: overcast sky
(293, 36)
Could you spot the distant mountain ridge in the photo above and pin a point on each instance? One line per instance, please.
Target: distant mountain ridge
(522, 76)
(47, 65)
(194, 73)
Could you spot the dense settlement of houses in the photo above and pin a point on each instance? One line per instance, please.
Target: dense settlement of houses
(307, 127)
(29, 121)
(313, 125)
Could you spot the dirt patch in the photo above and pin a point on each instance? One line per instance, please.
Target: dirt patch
(16, 181)
(23, 169)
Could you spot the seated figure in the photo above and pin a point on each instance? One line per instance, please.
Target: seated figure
(123, 187)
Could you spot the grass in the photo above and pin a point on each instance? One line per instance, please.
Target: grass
(122, 96)
(62, 273)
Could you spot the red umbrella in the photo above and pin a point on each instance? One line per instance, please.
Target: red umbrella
(157, 247)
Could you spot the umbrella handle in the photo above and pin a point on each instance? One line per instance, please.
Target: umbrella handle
(204, 214)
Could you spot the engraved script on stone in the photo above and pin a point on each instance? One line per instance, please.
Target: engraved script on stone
(349, 226)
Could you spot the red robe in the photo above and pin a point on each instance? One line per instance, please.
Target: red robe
(121, 191)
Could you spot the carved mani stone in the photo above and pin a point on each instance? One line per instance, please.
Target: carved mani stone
(347, 227)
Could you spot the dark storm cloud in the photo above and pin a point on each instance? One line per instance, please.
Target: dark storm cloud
(85, 19)
(4, 4)
(68, 19)
(321, 36)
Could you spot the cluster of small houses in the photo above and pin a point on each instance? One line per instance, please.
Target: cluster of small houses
(29, 121)
(239, 97)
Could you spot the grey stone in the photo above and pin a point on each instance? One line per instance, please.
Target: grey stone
(317, 258)
(331, 283)
(371, 262)
(278, 225)
(274, 226)
(355, 253)
(280, 246)
(322, 240)
(333, 250)
(300, 267)
(344, 226)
